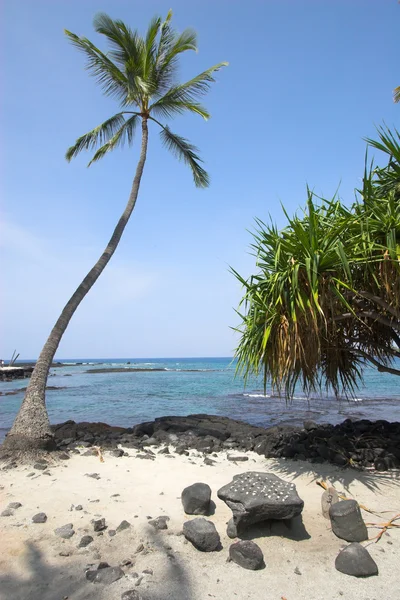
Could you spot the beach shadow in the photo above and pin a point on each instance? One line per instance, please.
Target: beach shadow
(344, 477)
(41, 581)
(177, 581)
(292, 529)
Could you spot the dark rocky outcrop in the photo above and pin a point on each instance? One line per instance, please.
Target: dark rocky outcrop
(352, 443)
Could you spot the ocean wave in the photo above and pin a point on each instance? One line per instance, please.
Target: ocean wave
(257, 395)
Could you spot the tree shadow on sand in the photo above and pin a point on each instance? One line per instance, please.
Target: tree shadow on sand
(373, 480)
(42, 581)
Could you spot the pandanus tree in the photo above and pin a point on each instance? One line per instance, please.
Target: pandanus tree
(140, 73)
(325, 300)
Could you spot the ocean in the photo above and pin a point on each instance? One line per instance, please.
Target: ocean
(185, 386)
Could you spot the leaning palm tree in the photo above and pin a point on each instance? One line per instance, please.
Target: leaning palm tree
(140, 73)
(396, 94)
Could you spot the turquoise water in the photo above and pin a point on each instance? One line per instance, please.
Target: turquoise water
(190, 385)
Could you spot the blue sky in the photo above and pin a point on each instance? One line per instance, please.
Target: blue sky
(306, 82)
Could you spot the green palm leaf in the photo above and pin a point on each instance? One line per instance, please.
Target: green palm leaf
(99, 135)
(186, 152)
(125, 133)
(107, 74)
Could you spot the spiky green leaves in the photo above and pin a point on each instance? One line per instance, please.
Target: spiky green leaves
(325, 299)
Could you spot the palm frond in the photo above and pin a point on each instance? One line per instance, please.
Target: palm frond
(99, 135)
(185, 151)
(167, 61)
(126, 44)
(192, 89)
(167, 107)
(125, 133)
(107, 74)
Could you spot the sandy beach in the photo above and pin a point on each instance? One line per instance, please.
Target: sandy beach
(37, 564)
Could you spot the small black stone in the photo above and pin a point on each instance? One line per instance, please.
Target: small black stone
(123, 525)
(65, 532)
(106, 575)
(85, 541)
(99, 525)
(159, 522)
(131, 595)
(39, 518)
(247, 554)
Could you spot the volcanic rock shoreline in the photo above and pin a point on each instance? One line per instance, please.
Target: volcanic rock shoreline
(362, 444)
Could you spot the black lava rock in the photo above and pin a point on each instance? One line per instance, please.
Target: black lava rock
(159, 522)
(106, 576)
(123, 525)
(196, 499)
(131, 595)
(202, 534)
(39, 518)
(99, 525)
(85, 541)
(355, 560)
(347, 522)
(247, 554)
(65, 532)
(256, 496)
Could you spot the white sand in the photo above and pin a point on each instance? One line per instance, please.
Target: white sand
(31, 568)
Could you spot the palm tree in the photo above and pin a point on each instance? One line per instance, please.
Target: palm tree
(396, 94)
(140, 73)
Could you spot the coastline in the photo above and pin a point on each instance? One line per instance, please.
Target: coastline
(187, 386)
(160, 564)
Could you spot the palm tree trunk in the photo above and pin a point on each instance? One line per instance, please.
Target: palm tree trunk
(31, 428)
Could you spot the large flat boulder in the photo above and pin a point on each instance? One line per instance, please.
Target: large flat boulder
(255, 497)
